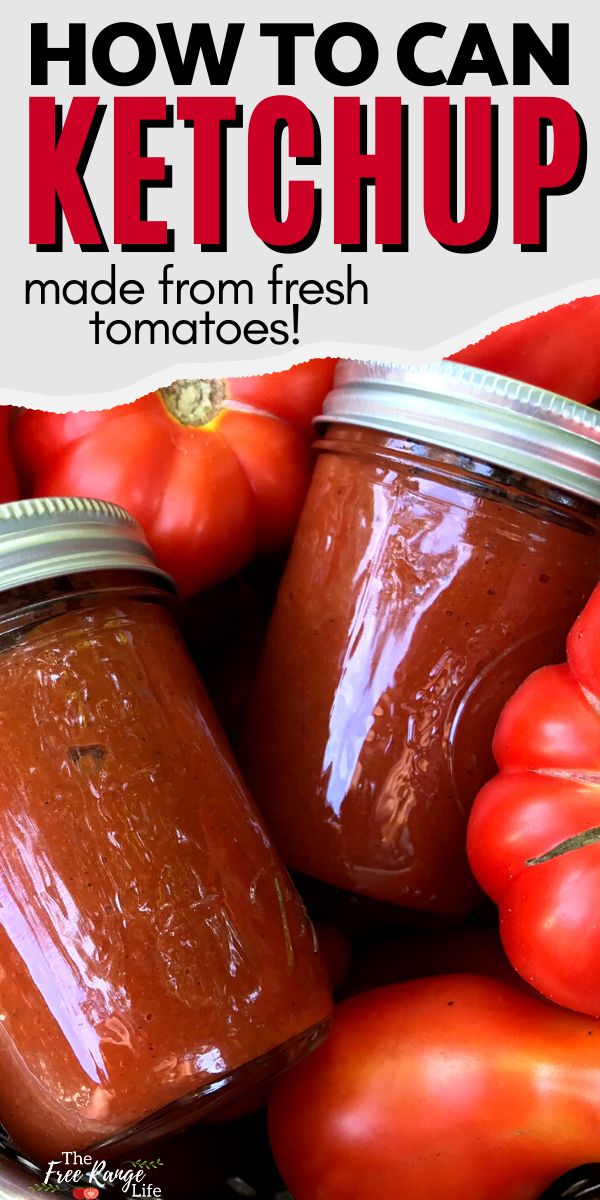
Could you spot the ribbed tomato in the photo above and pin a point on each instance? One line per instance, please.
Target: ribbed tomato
(215, 470)
(534, 830)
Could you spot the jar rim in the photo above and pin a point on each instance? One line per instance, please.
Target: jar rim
(490, 417)
(53, 536)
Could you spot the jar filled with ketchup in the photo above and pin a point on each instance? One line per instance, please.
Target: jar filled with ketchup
(155, 961)
(450, 536)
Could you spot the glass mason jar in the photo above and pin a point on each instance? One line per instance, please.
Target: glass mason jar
(450, 536)
(15, 1180)
(155, 961)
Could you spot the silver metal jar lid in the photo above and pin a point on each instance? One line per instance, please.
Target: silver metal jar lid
(55, 536)
(486, 416)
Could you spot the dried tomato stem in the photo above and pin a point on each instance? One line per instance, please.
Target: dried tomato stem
(194, 401)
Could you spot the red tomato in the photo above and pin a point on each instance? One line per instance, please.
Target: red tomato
(534, 831)
(558, 350)
(215, 472)
(548, 725)
(583, 646)
(440, 1089)
(8, 481)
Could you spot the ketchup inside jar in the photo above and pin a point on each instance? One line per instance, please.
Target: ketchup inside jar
(424, 584)
(155, 960)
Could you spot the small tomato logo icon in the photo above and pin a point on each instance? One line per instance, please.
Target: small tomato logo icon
(87, 1193)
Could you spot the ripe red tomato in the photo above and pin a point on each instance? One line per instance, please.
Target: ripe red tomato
(558, 350)
(8, 481)
(215, 472)
(534, 831)
(440, 1089)
(583, 646)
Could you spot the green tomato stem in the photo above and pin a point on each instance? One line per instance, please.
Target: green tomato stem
(589, 837)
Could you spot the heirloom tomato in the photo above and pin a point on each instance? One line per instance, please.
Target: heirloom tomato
(558, 350)
(450, 1088)
(534, 830)
(8, 481)
(214, 470)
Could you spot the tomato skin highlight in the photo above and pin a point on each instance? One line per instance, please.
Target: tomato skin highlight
(533, 838)
(548, 725)
(209, 495)
(558, 350)
(447, 1087)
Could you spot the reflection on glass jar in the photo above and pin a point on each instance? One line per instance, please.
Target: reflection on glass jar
(423, 585)
(154, 958)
